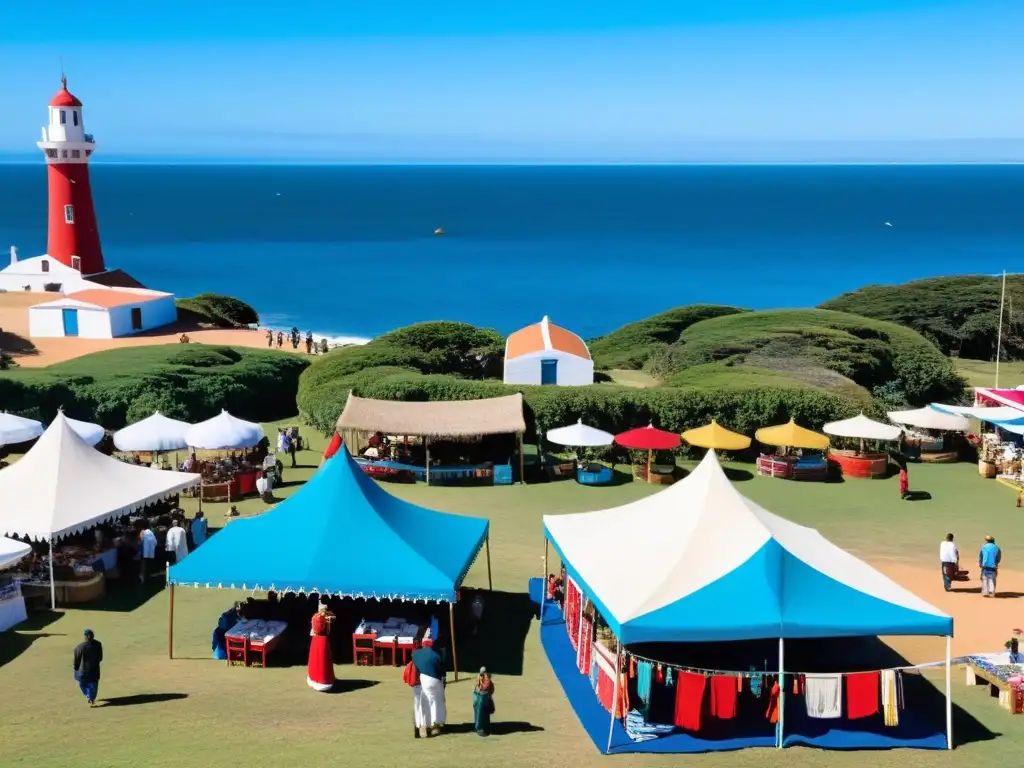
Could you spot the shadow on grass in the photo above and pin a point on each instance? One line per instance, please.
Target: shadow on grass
(16, 345)
(738, 475)
(498, 728)
(918, 496)
(142, 698)
(124, 595)
(498, 643)
(350, 686)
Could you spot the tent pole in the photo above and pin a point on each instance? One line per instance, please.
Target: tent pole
(53, 586)
(522, 476)
(487, 544)
(170, 625)
(649, 455)
(426, 444)
(455, 655)
(615, 697)
(782, 690)
(949, 698)
(544, 581)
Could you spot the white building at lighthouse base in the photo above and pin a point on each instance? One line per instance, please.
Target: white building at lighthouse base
(41, 273)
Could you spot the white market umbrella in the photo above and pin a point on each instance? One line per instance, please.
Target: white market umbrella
(224, 432)
(153, 434)
(862, 428)
(579, 435)
(930, 418)
(11, 551)
(18, 429)
(89, 432)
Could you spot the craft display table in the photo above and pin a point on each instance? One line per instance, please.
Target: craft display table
(261, 637)
(395, 635)
(995, 670)
(66, 592)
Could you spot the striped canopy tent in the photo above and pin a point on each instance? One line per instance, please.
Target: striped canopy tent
(716, 437)
(791, 435)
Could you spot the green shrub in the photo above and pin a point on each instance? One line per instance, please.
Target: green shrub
(633, 345)
(217, 310)
(121, 386)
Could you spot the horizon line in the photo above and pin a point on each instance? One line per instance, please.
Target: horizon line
(197, 161)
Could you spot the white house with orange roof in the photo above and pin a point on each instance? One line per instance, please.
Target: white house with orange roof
(102, 313)
(543, 353)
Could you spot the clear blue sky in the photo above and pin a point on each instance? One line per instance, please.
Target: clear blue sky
(524, 80)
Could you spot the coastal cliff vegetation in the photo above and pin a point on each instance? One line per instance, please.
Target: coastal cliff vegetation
(213, 309)
(960, 314)
(190, 382)
(746, 369)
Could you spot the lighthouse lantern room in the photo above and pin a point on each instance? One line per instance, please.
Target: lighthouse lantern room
(73, 238)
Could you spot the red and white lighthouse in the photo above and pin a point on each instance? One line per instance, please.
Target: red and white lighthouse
(73, 238)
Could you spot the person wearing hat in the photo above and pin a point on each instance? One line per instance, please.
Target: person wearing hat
(88, 655)
(483, 703)
(988, 560)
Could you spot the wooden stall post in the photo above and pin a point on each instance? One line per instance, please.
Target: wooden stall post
(522, 475)
(426, 444)
(487, 545)
(170, 625)
(455, 655)
(650, 455)
(615, 698)
(53, 585)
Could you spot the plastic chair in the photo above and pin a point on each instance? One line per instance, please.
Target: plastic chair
(363, 652)
(237, 650)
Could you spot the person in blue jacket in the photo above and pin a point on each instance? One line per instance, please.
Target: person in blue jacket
(988, 560)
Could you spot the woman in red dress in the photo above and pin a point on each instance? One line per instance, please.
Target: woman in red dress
(320, 674)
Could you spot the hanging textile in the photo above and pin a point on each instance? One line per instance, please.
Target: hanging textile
(823, 696)
(723, 696)
(798, 684)
(643, 681)
(605, 688)
(862, 695)
(584, 654)
(756, 683)
(689, 700)
(632, 668)
(668, 677)
(890, 704)
(622, 704)
(572, 612)
(773, 704)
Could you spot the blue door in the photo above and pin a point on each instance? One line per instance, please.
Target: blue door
(548, 371)
(70, 322)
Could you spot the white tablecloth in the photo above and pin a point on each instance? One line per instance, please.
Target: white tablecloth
(257, 630)
(12, 613)
(386, 631)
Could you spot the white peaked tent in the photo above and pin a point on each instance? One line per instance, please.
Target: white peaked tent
(89, 432)
(863, 428)
(930, 418)
(63, 486)
(153, 434)
(699, 562)
(17, 429)
(11, 551)
(580, 435)
(224, 432)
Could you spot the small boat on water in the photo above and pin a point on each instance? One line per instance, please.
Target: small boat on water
(438, 231)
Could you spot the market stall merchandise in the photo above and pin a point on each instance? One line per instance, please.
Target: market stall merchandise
(341, 535)
(580, 435)
(861, 462)
(12, 603)
(17, 429)
(1003, 675)
(224, 432)
(930, 438)
(789, 461)
(701, 564)
(716, 438)
(62, 486)
(650, 439)
(254, 639)
(154, 434)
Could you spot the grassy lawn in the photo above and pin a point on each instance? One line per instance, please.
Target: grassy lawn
(202, 712)
(982, 373)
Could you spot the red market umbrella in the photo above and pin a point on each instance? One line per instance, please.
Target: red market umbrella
(648, 439)
(333, 447)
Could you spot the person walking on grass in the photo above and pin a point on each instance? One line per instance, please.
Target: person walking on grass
(904, 484)
(88, 655)
(483, 703)
(988, 560)
(949, 558)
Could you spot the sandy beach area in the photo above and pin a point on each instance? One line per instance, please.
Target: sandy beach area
(36, 353)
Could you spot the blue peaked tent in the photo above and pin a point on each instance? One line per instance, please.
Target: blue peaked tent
(341, 534)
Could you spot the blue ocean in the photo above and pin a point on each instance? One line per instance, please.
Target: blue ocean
(351, 250)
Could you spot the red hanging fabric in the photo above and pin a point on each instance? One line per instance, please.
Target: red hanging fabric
(862, 694)
(583, 655)
(689, 700)
(723, 696)
(773, 703)
(572, 611)
(605, 688)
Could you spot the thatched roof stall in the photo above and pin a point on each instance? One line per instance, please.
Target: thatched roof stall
(442, 420)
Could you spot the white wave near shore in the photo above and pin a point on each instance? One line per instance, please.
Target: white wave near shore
(285, 323)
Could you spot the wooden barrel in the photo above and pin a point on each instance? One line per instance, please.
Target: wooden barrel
(986, 468)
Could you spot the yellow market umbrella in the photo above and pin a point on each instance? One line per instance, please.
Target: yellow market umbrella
(716, 437)
(791, 436)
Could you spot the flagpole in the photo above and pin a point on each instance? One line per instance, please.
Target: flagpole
(999, 335)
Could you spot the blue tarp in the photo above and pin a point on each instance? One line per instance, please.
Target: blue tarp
(340, 534)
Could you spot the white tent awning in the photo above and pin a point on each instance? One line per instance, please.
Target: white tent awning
(18, 429)
(63, 486)
(994, 415)
(90, 433)
(153, 433)
(224, 432)
(580, 435)
(861, 427)
(11, 551)
(930, 418)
